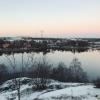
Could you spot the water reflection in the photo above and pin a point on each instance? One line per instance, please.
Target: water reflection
(71, 49)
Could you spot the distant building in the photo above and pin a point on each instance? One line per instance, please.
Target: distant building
(6, 45)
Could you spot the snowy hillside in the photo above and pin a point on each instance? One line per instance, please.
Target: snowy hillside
(55, 91)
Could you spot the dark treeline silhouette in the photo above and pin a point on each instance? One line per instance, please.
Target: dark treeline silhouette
(24, 45)
(18, 46)
(45, 45)
(78, 43)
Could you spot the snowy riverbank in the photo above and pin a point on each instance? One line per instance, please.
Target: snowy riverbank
(55, 91)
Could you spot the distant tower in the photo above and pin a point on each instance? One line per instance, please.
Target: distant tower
(42, 33)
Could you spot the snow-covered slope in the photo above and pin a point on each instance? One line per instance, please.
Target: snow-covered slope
(55, 91)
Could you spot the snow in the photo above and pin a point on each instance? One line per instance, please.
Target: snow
(2, 97)
(68, 91)
(78, 91)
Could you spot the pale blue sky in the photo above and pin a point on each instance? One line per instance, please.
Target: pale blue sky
(55, 17)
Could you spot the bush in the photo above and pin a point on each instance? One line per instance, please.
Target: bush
(41, 74)
(3, 73)
(77, 73)
(97, 83)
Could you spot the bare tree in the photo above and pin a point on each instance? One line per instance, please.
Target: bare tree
(17, 75)
(25, 63)
(16, 81)
(41, 74)
(77, 74)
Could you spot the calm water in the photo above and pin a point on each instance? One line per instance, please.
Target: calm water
(90, 60)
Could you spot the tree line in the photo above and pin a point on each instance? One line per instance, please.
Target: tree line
(73, 73)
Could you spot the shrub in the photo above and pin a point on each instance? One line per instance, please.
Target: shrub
(97, 83)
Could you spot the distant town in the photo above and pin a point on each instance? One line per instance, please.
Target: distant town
(19, 44)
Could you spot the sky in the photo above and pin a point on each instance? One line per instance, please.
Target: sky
(52, 18)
